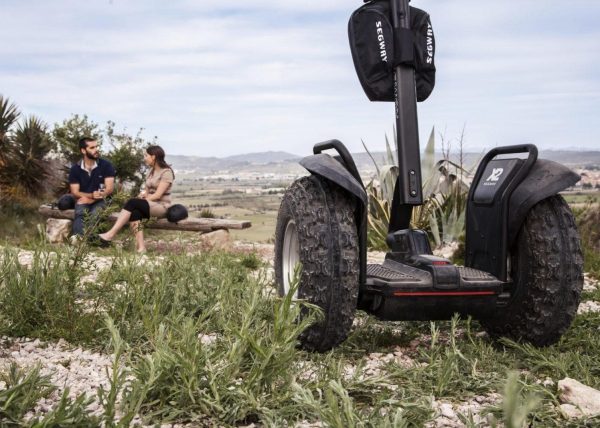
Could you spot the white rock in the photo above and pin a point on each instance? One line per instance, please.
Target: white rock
(587, 399)
(447, 250)
(589, 306)
(447, 411)
(57, 230)
(570, 411)
(217, 240)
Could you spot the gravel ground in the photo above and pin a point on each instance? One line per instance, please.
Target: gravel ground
(84, 371)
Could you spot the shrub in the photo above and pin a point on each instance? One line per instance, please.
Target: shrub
(207, 213)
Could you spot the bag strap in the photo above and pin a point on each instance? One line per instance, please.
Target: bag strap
(404, 47)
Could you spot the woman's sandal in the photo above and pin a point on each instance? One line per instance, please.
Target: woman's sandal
(98, 241)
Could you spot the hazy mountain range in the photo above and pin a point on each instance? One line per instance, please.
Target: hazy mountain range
(282, 162)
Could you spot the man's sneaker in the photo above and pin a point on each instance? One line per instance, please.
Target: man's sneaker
(75, 239)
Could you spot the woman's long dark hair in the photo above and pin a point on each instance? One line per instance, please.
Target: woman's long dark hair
(159, 156)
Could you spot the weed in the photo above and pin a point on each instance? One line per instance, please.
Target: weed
(251, 261)
(240, 376)
(22, 390)
(117, 377)
(67, 413)
(41, 300)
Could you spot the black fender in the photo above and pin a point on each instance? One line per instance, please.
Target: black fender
(327, 167)
(546, 178)
(333, 170)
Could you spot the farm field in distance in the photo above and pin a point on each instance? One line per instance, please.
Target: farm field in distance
(255, 200)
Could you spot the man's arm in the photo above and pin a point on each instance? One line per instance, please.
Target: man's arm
(109, 182)
(82, 198)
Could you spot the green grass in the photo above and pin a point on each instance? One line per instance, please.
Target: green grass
(588, 223)
(19, 224)
(205, 342)
(581, 197)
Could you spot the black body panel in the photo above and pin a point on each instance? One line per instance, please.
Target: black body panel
(487, 208)
(502, 193)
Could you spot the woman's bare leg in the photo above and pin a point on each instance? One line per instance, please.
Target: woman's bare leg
(122, 220)
(138, 231)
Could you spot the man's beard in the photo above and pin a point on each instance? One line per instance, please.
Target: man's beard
(92, 156)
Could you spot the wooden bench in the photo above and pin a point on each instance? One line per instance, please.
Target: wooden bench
(191, 224)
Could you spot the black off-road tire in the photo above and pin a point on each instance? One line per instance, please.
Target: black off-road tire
(322, 216)
(547, 274)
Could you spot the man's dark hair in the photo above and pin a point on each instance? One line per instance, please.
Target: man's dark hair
(84, 141)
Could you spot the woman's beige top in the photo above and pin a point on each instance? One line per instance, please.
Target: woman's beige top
(159, 208)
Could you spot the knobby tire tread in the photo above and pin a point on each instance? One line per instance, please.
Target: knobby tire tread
(328, 238)
(547, 270)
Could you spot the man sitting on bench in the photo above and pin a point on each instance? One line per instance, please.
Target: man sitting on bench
(90, 181)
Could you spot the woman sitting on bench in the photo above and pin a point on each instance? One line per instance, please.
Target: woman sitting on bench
(153, 201)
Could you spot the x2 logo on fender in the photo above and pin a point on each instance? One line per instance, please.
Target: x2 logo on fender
(496, 173)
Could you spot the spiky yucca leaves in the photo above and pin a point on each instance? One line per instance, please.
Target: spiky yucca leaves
(381, 194)
(8, 117)
(27, 168)
(445, 192)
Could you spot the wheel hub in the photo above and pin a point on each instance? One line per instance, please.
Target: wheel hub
(291, 256)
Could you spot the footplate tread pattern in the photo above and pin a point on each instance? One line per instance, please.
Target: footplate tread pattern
(471, 274)
(379, 271)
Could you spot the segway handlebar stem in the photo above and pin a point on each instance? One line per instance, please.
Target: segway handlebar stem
(407, 126)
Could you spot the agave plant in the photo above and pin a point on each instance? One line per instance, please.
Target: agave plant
(26, 170)
(445, 192)
(8, 117)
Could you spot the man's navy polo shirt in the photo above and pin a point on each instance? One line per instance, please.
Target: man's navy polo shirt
(90, 182)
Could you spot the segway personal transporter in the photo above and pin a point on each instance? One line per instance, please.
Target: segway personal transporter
(523, 272)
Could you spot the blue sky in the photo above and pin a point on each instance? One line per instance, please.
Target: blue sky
(217, 78)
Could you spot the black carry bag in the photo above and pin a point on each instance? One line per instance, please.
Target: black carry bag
(377, 49)
(176, 213)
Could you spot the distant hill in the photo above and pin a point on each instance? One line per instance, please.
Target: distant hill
(263, 158)
(283, 162)
(208, 165)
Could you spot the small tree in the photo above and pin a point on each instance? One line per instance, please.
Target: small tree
(127, 154)
(66, 136)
